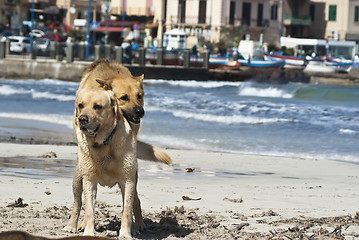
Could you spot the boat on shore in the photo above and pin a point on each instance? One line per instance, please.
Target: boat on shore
(329, 66)
(261, 63)
(290, 61)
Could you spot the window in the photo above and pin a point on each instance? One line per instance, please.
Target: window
(260, 15)
(181, 11)
(332, 12)
(312, 12)
(232, 11)
(246, 14)
(274, 12)
(356, 14)
(202, 11)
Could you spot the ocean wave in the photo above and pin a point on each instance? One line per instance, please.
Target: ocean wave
(193, 84)
(65, 120)
(271, 92)
(236, 119)
(10, 90)
(53, 96)
(51, 81)
(347, 131)
(173, 141)
(46, 81)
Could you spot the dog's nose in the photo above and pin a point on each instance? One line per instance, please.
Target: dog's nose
(83, 119)
(139, 111)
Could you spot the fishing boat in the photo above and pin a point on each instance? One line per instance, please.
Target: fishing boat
(329, 65)
(261, 63)
(251, 54)
(290, 61)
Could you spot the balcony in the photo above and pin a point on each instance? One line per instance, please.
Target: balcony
(298, 21)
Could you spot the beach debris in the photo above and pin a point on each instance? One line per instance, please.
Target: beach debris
(189, 170)
(241, 225)
(235, 200)
(18, 203)
(186, 198)
(48, 155)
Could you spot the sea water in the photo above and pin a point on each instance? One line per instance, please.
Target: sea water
(295, 120)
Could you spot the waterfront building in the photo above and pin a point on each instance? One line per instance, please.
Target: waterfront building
(334, 20)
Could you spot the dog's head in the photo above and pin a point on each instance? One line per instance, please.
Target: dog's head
(129, 93)
(96, 113)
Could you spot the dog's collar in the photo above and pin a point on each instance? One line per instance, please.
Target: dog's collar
(108, 139)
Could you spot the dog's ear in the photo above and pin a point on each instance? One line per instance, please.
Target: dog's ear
(114, 103)
(140, 78)
(106, 85)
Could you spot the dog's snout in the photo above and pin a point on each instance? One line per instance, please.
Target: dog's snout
(83, 119)
(139, 111)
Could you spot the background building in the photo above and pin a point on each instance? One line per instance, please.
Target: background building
(206, 22)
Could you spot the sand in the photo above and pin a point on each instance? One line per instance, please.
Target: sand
(203, 195)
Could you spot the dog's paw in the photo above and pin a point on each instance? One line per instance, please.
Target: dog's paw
(125, 235)
(82, 225)
(89, 233)
(69, 229)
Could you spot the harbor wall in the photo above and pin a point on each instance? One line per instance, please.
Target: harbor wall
(47, 68)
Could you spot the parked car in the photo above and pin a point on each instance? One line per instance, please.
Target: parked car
(40, 31)
(42, 46)
(20, 44)
(37, 33)
(5, 34)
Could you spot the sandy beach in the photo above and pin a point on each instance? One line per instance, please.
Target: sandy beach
(202, 195)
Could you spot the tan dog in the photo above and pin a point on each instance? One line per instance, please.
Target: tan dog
(106, 156)
(128, 89)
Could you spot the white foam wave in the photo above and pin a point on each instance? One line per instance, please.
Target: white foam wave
(65, 120)
(167, 140)
(51, 81)
(347, 131)
(236, 119)
(46, 81)
(52, 96)
(264, 92)
(192, 83)
(9, 90)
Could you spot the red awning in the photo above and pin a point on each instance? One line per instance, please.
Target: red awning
(110, 29)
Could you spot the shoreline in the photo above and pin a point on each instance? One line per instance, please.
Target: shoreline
(245, 195)
(48, 68)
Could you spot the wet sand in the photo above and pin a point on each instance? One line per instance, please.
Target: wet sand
(203, 195)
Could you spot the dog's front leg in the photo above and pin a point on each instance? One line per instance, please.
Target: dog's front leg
(137, 212)
(77, 191)
(90, 190)
(128, 191)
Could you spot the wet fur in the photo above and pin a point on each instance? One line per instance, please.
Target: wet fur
(114, 163)
(109, 75)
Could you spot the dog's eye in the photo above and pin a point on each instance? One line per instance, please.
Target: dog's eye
(81, 105)
(124, 98)
(139, 97)
(97, 107)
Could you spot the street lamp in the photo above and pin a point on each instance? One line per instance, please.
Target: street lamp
(88, 31)
(32, 25)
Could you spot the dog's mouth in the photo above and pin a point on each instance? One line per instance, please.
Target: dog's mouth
(91, 132)
(134, 120)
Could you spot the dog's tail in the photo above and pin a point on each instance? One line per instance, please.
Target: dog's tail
(149, 152)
